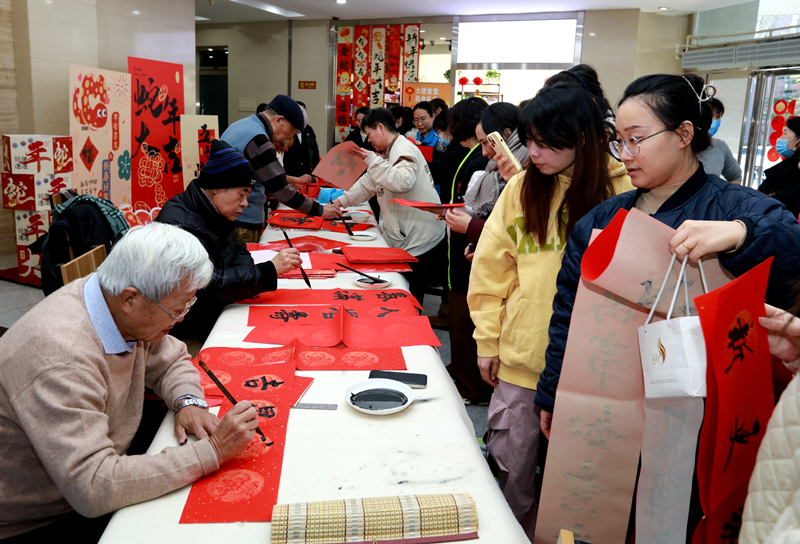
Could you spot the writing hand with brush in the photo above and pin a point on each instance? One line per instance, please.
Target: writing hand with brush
(286, 260)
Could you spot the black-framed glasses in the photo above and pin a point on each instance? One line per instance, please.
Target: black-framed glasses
(629, 144)
(173, 316)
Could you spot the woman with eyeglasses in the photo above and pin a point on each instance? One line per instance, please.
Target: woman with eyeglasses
(208, 209)
(423, 120)
(513, 276)
(659, 128)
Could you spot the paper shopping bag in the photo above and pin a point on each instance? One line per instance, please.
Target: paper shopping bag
(673, 351)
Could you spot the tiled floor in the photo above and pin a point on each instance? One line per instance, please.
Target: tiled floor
(17, 299)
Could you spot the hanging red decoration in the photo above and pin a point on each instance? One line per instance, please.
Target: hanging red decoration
(477, 81)
(463, 81)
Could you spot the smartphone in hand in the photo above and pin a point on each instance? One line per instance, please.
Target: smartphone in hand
(500, 147)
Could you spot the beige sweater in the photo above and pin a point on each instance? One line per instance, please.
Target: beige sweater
(68, 413)
(403, 174)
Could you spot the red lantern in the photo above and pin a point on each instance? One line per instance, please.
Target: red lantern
(463, 81)
(477, 81)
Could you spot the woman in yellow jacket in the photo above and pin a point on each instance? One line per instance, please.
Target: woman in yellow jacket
(514, 270)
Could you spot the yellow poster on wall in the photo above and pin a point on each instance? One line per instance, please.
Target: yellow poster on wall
(414, 93)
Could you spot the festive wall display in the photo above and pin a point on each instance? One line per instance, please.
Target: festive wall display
(19, 192)
(344, 73)
(47, 185)
(28, 154)
(29, 226)
(361, 67)
(414, 93)
(197, 132)
(377, 66)
(99, 125)
(156, 102)
(411, 53)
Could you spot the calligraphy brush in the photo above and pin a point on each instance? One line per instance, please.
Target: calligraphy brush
(349, 230)
(373, 278)
(303, 272)
(225, 391)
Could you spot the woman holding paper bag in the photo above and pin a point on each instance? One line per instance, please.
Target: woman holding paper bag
(659, 135)
(515, 264)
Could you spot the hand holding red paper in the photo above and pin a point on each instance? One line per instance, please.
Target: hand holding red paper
(783, 330)
(699, 238)
(235, 431)
(359, 152)
(458, 220)
(340, 167)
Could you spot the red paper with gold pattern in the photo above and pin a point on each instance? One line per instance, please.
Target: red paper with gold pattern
(361, 67)
(394, 53)
(349, 358)
(156, 106)
(739, 400)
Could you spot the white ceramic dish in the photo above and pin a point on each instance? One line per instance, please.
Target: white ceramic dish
(381, 383)
(359, 217)
(365, 283)
(363, 236)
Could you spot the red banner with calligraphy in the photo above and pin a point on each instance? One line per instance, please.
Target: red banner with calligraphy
(410, 53)
(361, 67)
(394, 52)
(156, 107)
(344, 86)
(377, 66)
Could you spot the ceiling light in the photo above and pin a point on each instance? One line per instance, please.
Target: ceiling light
(226, 52)
(663, 9)
(421, 30)
(198, 18)
(443, 38)
(210, 49)
(136, 12)
(258, 4)
(579, 26)
(341, 1)
(198, 104)
(211, 56)
(591, 34)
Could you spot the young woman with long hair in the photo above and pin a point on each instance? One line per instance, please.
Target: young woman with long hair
(513, 277)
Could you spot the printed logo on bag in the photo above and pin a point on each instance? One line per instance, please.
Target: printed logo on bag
(660, 357)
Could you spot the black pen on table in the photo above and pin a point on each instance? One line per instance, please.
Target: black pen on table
(303, 272)
(225, 391)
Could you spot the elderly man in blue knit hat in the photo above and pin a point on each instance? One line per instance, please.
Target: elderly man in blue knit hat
(208, 209)
(259, 138)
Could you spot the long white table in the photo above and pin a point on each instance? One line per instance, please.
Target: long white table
(428, 448)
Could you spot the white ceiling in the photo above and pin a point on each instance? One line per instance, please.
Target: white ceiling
(225, 11)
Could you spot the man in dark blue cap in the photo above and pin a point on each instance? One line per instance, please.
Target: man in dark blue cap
(259, 138)
(208, 209)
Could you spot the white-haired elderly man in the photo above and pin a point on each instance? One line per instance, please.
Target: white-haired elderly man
(72, 377)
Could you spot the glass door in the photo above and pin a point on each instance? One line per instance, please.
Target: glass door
(773, 96)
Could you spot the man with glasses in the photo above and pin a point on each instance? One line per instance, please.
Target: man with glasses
(72, 376)
(259, 138)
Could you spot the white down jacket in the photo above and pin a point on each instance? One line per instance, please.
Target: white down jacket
(772, 511)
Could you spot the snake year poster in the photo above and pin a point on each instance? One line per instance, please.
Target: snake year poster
(155, 130)
(99, 123)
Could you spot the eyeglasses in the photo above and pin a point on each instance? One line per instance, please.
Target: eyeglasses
(630, 144)
(420, 120)
(173, 316)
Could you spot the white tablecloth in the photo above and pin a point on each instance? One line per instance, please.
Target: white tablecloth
(428, 448)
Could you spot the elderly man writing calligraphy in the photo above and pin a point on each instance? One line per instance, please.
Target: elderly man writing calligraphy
(208, 209)
(72, 377)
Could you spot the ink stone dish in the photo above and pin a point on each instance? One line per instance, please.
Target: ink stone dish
(368, 283)
(363, 236)
(359, 217)
(379, 397)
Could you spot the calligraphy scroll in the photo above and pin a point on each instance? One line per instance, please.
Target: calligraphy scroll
(344, 85)
(739, 402)
(365, 302)
(411, 53)
(197, 132)
(394, 52)
(339, 167)
(598, 421)
(361, 68)
(377, 66)
(100, 128)
(156, 109)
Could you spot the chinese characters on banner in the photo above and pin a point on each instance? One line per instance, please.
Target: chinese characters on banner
(361, 67)
(394, 50)
(197, 132)
(344, 68)
(339, 167)
(414, 93)
(156, 107)
(99, 124)
(29, 226)
(377, 66)
(411, 53)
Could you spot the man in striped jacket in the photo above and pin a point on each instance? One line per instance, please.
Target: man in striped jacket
(259, 138)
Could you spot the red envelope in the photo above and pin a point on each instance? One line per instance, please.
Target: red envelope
(372, 255)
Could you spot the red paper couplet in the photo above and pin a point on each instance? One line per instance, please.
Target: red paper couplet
(739, 401)
(292, 221)
(349, 358)
(361, 301)
(376, 255)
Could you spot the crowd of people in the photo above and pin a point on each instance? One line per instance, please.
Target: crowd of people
(508, 264)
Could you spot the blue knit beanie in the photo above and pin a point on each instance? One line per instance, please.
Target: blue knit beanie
(226, 168)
